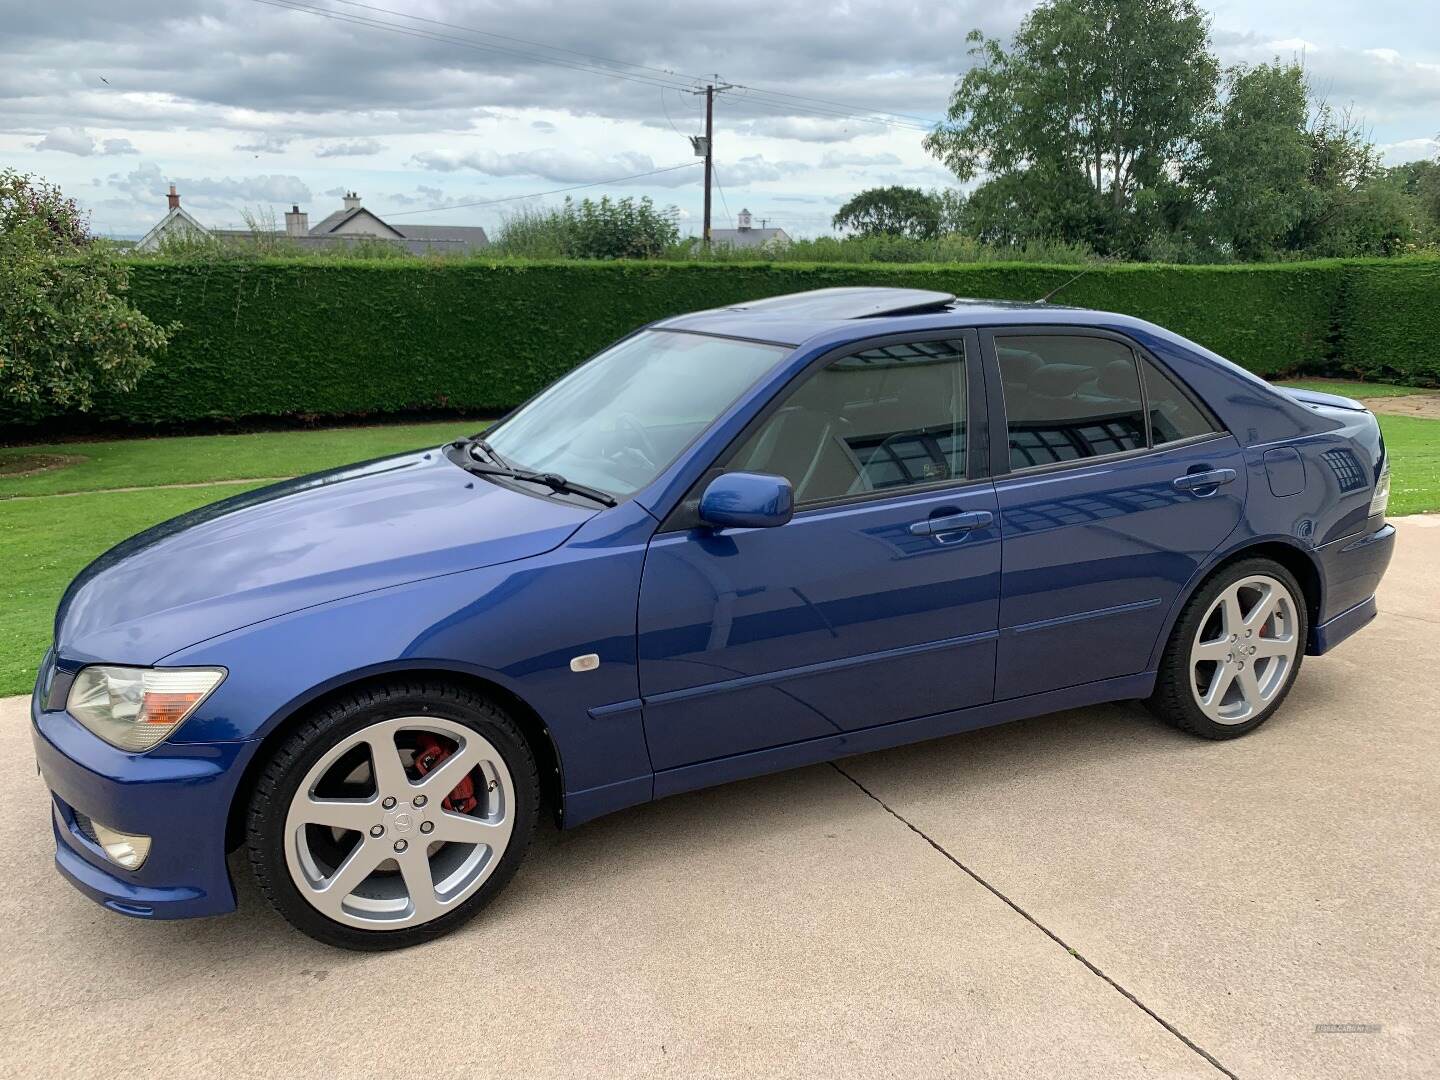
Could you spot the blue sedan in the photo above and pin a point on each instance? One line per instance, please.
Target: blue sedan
(737, 541)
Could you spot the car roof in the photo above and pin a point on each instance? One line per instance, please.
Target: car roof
(864, 312)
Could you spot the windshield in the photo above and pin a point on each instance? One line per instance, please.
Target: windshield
(617, 421)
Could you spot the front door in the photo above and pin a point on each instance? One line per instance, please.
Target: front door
(1118, 490)
(876, 603)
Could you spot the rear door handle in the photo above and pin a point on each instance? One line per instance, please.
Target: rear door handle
(1209, 479)
(953, 523)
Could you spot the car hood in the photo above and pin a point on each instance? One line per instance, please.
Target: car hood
(296, 544)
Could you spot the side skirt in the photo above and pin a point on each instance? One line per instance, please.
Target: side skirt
(581, 806)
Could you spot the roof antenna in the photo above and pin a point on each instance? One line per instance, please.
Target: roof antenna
(1066, 284)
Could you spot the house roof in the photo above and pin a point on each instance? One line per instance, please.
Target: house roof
(331, 222)
(744, 238)
(462, 234)
(173, 215)
(417, 239)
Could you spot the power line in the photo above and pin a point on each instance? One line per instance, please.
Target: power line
(776, 100)
(723, 201)
(625, 63)
(426, 35)
(538, 194)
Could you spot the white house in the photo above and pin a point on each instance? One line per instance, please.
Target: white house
(351, 224)
(746, 236)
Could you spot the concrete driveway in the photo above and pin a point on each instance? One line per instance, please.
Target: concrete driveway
(1086, 894)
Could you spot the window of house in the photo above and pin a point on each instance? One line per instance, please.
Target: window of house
(1173, 415)
(1069, 398)
(884, 419)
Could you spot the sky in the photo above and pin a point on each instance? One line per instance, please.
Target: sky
(250, 106)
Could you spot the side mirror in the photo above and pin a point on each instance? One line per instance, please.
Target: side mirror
(747, 501)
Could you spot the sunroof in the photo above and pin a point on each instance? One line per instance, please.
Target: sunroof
(851, 303)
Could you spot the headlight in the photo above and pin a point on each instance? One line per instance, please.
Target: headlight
(1381, 499)
(135, 708)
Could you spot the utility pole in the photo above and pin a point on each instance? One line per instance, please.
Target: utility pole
(706, 146)
(709, 157)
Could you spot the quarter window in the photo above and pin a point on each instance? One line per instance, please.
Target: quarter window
(883, 419)
(1173, 415)
(1069, 398)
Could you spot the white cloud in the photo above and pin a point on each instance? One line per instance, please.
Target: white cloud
(834, 159)
(566, 166)
(352, 148)
(267, 142)
(78, 141)
(147, 182)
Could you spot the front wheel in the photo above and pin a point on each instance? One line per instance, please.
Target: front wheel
(1234, 652)
(394, 815)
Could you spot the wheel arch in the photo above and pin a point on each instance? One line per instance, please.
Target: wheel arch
(532, 725)
(1298, 560)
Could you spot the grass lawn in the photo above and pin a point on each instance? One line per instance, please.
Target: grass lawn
(1352, 388)
(45, 541)
(1414, 448)
(94, 466)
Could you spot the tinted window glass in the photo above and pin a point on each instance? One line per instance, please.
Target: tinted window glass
(883, 419)
(618, 420)
(1068, 398)
(1173, 416)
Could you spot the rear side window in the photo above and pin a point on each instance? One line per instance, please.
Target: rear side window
(1173, 415)
(1069, 398)
(884, 419)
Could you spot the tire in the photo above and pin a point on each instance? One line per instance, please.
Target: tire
(333, 810)
(1227, 666)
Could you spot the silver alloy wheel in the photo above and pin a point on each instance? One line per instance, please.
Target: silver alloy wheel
(1245, 649)
(395, 857)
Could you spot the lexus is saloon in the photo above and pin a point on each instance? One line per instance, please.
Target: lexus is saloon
(734, 542)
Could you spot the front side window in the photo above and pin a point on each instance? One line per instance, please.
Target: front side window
(617, 421)
(1069, 398)
(884, 419)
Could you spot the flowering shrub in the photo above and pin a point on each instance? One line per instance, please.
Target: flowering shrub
(67, 331)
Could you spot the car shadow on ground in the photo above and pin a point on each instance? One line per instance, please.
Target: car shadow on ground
(702, 829)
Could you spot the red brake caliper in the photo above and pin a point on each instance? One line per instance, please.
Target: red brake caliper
(428, 755)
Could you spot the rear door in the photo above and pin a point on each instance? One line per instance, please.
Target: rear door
(1114, 484)
(877, 602)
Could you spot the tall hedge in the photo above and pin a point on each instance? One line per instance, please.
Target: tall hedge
(306, 337)
(1390, 322)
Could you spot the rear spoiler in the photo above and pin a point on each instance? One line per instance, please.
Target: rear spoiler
(1315, 400)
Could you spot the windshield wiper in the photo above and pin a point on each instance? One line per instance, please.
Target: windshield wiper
(554, 481)
(472, 443)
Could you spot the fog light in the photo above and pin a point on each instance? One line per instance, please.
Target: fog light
(125, 849)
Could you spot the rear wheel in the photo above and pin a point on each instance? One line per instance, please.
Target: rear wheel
(394, 815)
(1234, 652)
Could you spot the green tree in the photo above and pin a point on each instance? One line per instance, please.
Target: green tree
(608, 229)
(1349, 207)
(67, 334)
(892, 211)
(1107, 90)
(1418, 184)
(623, 229)
(1250, 177)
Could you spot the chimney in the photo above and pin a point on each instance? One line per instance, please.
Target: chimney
(352, 201)
(742, 220)
(297, 222)
(173, 199)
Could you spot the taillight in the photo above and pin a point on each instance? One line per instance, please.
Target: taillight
(1381, 499)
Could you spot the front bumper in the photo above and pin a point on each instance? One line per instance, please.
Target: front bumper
(180, 795)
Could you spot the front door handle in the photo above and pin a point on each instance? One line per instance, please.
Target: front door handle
(1210, 478)
(953, 523)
